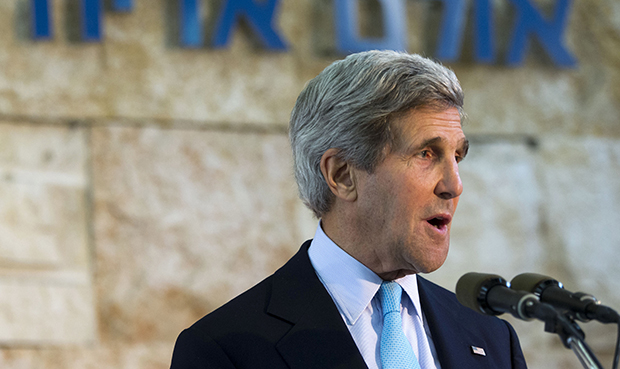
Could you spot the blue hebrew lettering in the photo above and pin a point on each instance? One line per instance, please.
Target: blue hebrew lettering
(347, 27)
(484, 40)
(530, 22)
(259, 16)
(450, 39)
(191, 24)
(90, 13)
(122, 5)
(451, 31)
(41, 22)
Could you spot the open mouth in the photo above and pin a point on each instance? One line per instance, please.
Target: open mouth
(439, 222)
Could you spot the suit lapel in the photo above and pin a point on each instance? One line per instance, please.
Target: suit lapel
(318, 338)
(452, 341)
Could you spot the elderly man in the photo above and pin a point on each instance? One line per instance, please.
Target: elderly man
(376, 141)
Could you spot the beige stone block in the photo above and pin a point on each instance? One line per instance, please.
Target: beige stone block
(185, 220)
(581, 184)
(45, 314)
(34, 229)
(45, 284)
(42, 197)
(57, 152)
(535, 100)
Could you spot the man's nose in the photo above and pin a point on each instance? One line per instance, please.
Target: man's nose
(449, 185)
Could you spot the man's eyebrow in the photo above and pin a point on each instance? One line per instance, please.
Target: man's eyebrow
(412, 148)
(426, 143)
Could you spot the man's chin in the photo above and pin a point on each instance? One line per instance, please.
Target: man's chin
(431, 265)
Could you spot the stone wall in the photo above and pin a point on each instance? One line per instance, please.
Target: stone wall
(142, 185)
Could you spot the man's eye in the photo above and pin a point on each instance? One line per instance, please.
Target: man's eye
(459, 158)
(425, 153)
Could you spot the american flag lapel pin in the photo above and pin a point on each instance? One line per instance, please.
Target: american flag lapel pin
(478, 351)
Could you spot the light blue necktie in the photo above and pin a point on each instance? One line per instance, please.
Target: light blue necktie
(396, 351)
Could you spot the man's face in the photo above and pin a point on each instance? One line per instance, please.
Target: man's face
(405, 206)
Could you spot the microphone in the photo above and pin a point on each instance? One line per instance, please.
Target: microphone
(584, 306)
(490, 294)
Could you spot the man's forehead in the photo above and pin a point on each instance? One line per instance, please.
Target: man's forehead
(431, 126)
(423, 115)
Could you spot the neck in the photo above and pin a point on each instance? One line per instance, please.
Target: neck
(355, 242)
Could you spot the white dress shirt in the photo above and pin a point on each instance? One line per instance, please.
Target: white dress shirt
(353, 287)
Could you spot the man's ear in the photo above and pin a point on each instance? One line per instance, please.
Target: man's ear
(339, 175)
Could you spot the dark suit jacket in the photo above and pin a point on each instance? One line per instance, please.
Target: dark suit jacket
(289, 320)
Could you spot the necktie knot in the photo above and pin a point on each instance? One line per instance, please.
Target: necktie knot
(389, 295)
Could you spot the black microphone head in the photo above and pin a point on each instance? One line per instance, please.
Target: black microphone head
(533, 282)
(579, 305)
(472, 289)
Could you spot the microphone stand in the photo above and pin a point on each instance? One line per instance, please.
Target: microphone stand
(585, 356)
(573, 337)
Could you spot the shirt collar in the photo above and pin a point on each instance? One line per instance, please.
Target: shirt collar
(350, 283)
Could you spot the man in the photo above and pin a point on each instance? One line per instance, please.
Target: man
(376, 141)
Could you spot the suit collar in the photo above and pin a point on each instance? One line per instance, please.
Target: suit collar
(298, 296)
(350, 283)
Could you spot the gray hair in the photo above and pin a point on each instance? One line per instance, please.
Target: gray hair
(350, 106)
